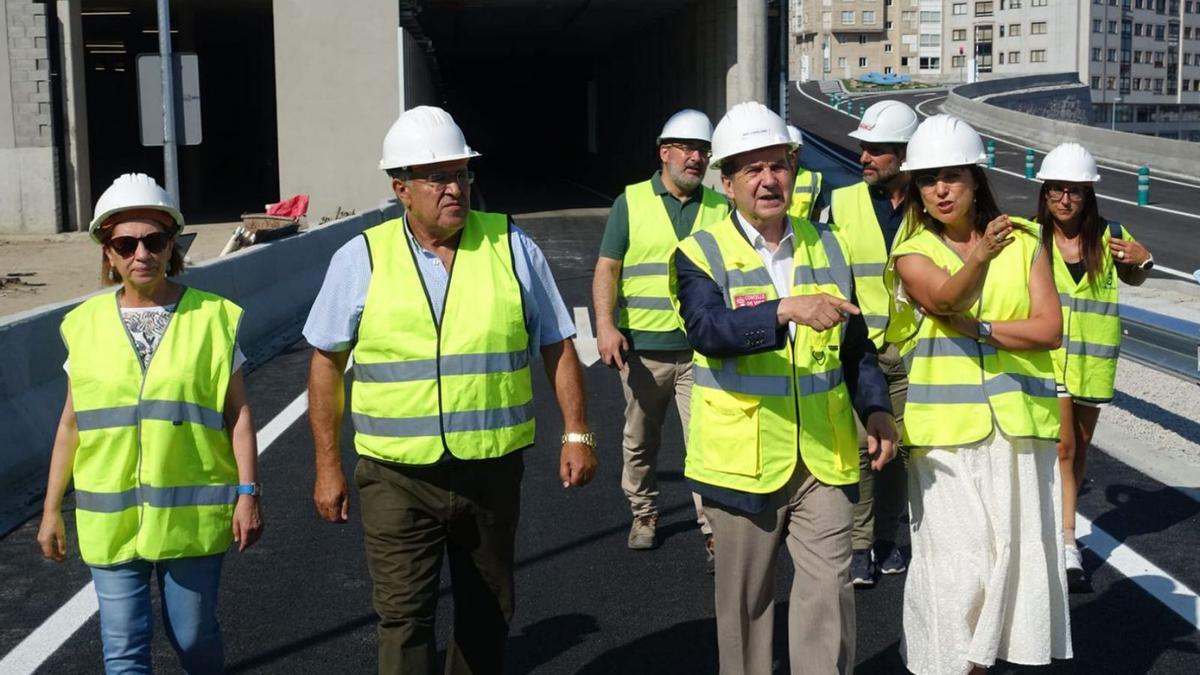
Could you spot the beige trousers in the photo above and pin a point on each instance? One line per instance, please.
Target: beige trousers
(650, 380)
(883, 495)
(813, 519)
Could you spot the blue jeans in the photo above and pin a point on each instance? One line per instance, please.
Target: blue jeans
(189, 602)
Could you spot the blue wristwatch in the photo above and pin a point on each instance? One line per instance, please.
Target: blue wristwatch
(252, 489)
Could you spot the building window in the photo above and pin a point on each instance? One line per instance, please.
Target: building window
(1137, 29)
(1037, 28)
(1137, 84)
(862, 39)
(887, 48)
(887, 25)
(958, 9)
(1001, 58)
(1037, 56)
(1110, 82)
(1095, 82)
(903, 61)
(931, 39)
(958, 61)
(887, 70)
(1037, 3)
(868, 16)
(1112, 56)
(1014, 57)
(1097, 26)
(929, 63)
(959, 35)
(1014, 30)
(931, 17)
(841, 62)
(983, 9)
(1112, 26)
(1096, 53)
(983, 33)
(862, 62)
(847, 18)
(1012, 4)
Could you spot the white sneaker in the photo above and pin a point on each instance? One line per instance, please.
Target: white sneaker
(1071, 556)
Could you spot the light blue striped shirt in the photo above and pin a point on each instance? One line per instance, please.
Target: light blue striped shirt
(333, 320)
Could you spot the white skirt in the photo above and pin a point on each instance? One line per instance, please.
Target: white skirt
(987, 578)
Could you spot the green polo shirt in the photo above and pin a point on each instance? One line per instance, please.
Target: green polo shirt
(616, 242)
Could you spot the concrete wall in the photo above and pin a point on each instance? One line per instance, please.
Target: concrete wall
(1162, 156)
(28, 201)
(274, 283)
(337, 92)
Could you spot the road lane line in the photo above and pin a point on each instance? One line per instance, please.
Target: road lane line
(1148, 576)
(47, 638)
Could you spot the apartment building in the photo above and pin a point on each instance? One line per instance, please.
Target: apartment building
(1144, 51)
(846, 38)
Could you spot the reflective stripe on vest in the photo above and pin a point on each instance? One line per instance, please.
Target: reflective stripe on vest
(422, 388)
(860, 229)
(807, 187)
(1086, 363)
(956, 385)
(744, 429)
(153, 448)
(644, 300)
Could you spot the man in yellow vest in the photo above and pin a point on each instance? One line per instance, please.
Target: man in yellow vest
(782, 361)
(807, 197)
(645, 344)
(869, 217)
(442, 400)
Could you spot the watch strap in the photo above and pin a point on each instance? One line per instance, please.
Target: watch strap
(587, 438)
(252, 489)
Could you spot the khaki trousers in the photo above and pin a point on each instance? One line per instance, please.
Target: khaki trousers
(413, 517)
(813, 519)
(650, 380)
(883, 495)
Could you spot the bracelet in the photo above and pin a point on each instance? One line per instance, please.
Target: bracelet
(588, 438)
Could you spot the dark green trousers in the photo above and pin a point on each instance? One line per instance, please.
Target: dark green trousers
(412, 517)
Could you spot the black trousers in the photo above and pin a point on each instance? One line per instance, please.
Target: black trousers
(412, 517)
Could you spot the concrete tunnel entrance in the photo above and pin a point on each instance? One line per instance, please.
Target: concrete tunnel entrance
(562, 94)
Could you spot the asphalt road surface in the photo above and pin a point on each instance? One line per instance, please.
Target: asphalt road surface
(299, 601)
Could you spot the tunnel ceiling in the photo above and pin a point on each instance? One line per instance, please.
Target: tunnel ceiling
(473, 29)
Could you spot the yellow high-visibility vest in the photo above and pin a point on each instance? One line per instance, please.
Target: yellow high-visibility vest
(860, 229)
(957, 385)
(1086, 363)
(804, 193)
(462, 386)
(644, 302)
(155, 476)
(750, 414)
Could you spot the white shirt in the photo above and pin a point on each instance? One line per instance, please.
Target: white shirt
(778, 263)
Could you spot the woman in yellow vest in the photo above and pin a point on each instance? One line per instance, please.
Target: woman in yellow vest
(156, 436)
(986, 581)
(1089, 255)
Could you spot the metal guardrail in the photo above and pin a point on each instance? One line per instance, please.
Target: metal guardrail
(1161, 342)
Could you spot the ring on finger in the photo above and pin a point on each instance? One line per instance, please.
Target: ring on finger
(1120, 255)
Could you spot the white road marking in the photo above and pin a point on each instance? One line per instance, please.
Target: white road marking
(585, 342)
(46, 639)
(1148, 576)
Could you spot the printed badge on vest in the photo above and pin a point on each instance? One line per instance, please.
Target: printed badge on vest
(749, 300)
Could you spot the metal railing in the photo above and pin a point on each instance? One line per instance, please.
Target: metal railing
(1161, 342)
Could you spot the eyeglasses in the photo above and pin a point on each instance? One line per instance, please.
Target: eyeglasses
(929, 179)
(689, 148)
(1056, 192)
(444, 178)
(126, 246)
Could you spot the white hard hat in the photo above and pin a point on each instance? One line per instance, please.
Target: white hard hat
(886, 122)
(133, 191)
(1069, 162)
(795, 135)
(687, 124)
(423, 135)
(748, 126)
(943, 140)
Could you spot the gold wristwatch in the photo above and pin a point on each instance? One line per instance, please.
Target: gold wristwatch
(588, 439)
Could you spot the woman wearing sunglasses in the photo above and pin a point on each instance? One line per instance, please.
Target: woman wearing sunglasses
(156, 436)
(1089, 255)
(986, 582)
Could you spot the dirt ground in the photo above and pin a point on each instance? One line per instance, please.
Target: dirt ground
(57, 267)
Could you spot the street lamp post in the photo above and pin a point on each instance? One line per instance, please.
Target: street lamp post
(1112, 121)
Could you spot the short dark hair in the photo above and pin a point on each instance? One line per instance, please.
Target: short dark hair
(400, 173)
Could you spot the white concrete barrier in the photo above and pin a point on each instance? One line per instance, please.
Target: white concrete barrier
(1163, 156)
(274, 283)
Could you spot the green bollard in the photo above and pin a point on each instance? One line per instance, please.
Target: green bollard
(1028, 163)
(1143, 186)
(991, 153)
(862, 110)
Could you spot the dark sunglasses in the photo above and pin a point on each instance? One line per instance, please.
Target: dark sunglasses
(127, 246)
